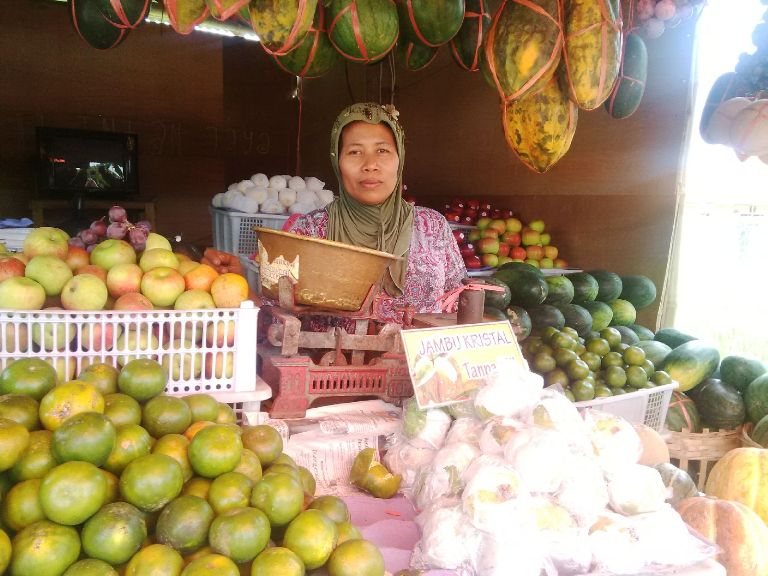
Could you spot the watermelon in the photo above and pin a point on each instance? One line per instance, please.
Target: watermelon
(760, 432)
(740, 371)
(577, 318)
(629, 88)
(521, 322)
(314, 55)
(642, 332)
(526, 288)
(756, 398)
(585, 287)
(560, 290)
(491, 313)
(92, 26)
(281, 25)
(186, 14)
(499, 300)
(125, 13)
(639, 290)
(430, 23)
(624, 313)
(414, 56)
(363, 30)
(656, 352)
(608, 285)
(524, 47)
(628, 335)
(672, 337)
(539, 127)
(592, 50)
(467, 45)
(691, 363)
(522, 266)
(545, 315)
(720, 405)
(601, 314)
(682, 414)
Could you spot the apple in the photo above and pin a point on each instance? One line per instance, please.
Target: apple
(50, 272)
(182, 257)
(489, 260)
(467, 220)
(94, 270)
(530, 237)
(505, 214)
(504, 249)
(140, 343)
(513, 225)
(550, 252)
(158, 258)
(469, 212)
(498, 225)
(52, 302)
(46, 241)
(123, 279)
(98, 337)
(453, 217)
(489, 233)
(457, 204)
(162, 286)
(10, 267)
(64, 366)
(483, 213)
(474, 235)
(517, 253)
(187, 266)
(485, 205)
(511, 238)
(21, 258)
(473, 204)
(51, 336)
(532, 262)
(534, 252)
(182, 365)
(194, 300)
(483, 222)
(467, 250)
(487, 245)
(113, 252)
(459, 236)
(84, 292)
(220, 334)
(503, 260)
(545, 238)
(133, 301)
(155, 240)
(21, 293)
(473, 262)
(77, 258)
(219, 365)
(495, 214)
(560, 264)
(16, 338)
(537, 225)
(546, 263)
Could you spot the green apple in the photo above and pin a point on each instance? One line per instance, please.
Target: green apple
(111, 252)
(537, 225)
(162, 286)
(139, 343)
(46, 241)
(194, 300)
(545, 238)
(50, 272)
(21, 293)
(158, 258)
(84, 292)
(155, 240)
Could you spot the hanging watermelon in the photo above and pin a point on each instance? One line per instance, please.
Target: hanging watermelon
(186, 14)
(315, 55)
(125, 13)
(524, 46)
(281, 24)
(430, 23)
(91, 25)
(467, 45)
(363, 30)
(540, 126)
(630, 85)
(414, 56)
(592, 50)
(225, 9)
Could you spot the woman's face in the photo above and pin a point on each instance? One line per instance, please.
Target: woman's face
(368, 162)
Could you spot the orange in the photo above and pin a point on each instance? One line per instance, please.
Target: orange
(132, 441)
(155, 559)
(240, 534)
(21, 409)
(44, 548)
(73, 492)
(142, 379)
(333, 506)
(5, 551)
(90, 567)
(102, 375)
(14, 439)
(215, 450)
(195, 427)
(277, 561)
(68, 399)
(183, 524)
(200, 277)
(114, 533)
(113, 486)
(203, 406)
(356, 558)
(166, 415)
(312, 536)
(279, 496)
(121, 409)
(249, 465)
(197, 486)
(348, 531)
(30, 376)
(225, 415)
(211, 564)
(21, 506)
(228, 290)
(150, 482)
(229, 491)
(307, 481)
(265, 441)
(175, 446)
(88, 436)
(36, 460)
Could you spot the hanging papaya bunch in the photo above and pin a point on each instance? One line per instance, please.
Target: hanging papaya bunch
(225, 9)
(363, 31)
(91, 25)
(414, 56)
(467, 45)
(281, 24)
(186, 14)
(126, 13)
(430, 23)
(314, 55)
(524, 46)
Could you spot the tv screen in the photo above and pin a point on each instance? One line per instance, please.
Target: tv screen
(87, 162)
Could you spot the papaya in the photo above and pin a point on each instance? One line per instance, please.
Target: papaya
(186, 14)
(281, 26)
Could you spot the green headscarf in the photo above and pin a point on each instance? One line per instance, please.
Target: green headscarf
(386, 227)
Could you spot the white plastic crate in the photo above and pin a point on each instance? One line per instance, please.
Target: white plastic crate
(205, 351)
(645, 406)
(233, 231)
(13, 238)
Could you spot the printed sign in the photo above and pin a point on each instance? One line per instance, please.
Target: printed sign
(447, 363)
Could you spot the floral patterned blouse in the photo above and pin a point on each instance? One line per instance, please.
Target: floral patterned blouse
(434, 263)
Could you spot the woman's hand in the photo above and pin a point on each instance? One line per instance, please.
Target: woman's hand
(223, 262)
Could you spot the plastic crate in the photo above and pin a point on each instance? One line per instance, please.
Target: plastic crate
(251, 273)
(233, 231)
(645, 406)
(13, 238)
(205, 351)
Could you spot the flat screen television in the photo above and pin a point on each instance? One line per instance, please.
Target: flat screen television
(75, 163)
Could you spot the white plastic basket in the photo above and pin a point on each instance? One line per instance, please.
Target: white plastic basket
(233, 231)
(13, 238)
(645, 406)
(205, 351)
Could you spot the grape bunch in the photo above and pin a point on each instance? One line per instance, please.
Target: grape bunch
(118, 228)
(655, 16)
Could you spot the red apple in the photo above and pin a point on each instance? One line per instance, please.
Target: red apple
(495, 214)
(504, 249)
(457, 204)
(124, 279)
(20, 293)
(511, 238)
(489, 233)
(507, 214)
(467, 220)
(550, 252)
(560, 263)
(499, 225)
(488, 245)
(503, 260)
(10, 267)
(537, 225)
(98, 337)
(484, 205)
(219, 364)
(133, 301)
(474, 235)
(459, 235)
(513, 225)
(482, 213)
(471, 212)
(483, 222)
(93, 269)
(473, 204)
(534, 252)
(491, 260)
(467, 250)
(77, 258)
(530, 237)
(453, 217)
(446, 208)
(473, 262)
(517, 253)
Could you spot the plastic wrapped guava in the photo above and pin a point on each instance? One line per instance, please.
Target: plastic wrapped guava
(495, 435)
(541, 457)
(583, 491)
(554, 411)
(614, 440)
(494, 497)
(502, 555)
(465, 430)
(636, 489)
(511, 393)
(444, 476)
(565, 543)
(424, 428)
(405, 459)
(448, 540)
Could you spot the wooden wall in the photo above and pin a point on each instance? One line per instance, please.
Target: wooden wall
(210, 111)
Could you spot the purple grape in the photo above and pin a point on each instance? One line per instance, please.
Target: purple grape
(138, 238)
(90, 248)
(88, 236)
(118, 214)
(100, 227)
(145, 225)
(117, 230)
(77, 242)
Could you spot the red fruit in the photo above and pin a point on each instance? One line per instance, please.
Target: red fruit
(453, 217)
(488, 245)
(88, 236)
(491, 260)
(489, 233)
(118, 214)
(507, 214)
(495, 214)
(100, 227)
(535, 252)
(459, 235)
(472, 262)
(470, 212)
(560, 263)
(457, 204)
(483, 213)
(518, 253)
(467, 250)
(473, 204)
(485, 206)
(504, 249)
(467, 220)
(511, 238)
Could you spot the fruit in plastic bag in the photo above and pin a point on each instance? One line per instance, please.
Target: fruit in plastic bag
(493, 495)
(540, 456)
(636, 489)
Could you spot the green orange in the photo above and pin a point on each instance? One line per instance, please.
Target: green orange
(150, 482)
(142, 379)
(22, 409)
(44, 548)
(356, 558)
(88, 436)
(155, 559)
(215, 450)
(166, 415)
(249, 465)
(14, 439)
(30, 376)
(121, 409)
(202, 407)
(312, 536)
(73, 492)
(115, 533)
(21, 505)
(333, 506)
(37, 459)
(132, 441)
(225, 415)
(240, 534)
(90, 567)
(183, 524)
(265, 441)
(229, 491)
(175, 446)
(277, 560)
(102, 375)
(279, 496)
(67, 400)
(211, 564)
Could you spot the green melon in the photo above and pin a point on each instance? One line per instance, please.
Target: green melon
(93, 27)
(414, 56)
(225, 9)
(639, 290)
(186, 14)
(628, 335)
(601, 314)
(682, 414)
(756, 398)
(691, 363)
(494, 298)
(521, 322)
(678, 482)
(363, 31)
(642, 332)
(544, 315)
(577, 318)
(526, 288)
(560, 290)
(585, 287)
(430, 23)
(467, 45)
(608, 285)
(760, 432)
(656, 352)
(720, 405)
(629, 88)
(672, 337)
(624, 313)
(314, 56)
(727, 86)
(740, 371)
(521, 266)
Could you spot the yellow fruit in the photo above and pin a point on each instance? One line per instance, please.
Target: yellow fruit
(68, 399)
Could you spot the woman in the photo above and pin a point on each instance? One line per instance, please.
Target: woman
(367, 154)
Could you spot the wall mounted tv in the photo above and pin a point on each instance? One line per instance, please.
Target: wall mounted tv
(73, 163)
